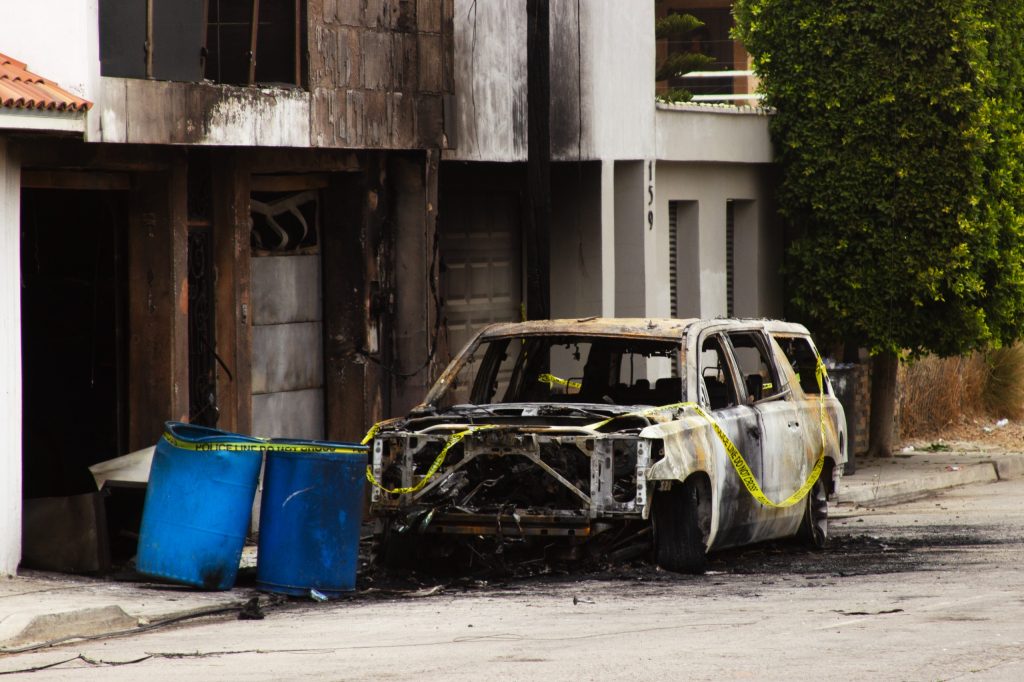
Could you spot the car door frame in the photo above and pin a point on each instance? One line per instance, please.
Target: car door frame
(740, 516)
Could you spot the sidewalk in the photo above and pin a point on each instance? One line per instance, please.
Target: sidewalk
(38, 609)
(910, 475)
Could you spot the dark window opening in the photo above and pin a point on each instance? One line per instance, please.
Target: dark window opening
(254, 41)
(719, 384)
(759, 374)
(238, 42)
(804, 360)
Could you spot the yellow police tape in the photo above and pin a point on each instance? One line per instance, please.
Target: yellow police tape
(551, 380)
(263, 445)
(735, 457)
(449, 444)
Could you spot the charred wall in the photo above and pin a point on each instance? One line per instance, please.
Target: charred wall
(380, 73)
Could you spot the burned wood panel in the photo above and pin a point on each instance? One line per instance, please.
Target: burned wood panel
(379, 72)
(346, 309)
(158, 304)
(203, 113)
(233, 292)
(416, 286)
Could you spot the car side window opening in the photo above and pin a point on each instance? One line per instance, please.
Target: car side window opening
(803, 359)
(759, 373)
(718, 381)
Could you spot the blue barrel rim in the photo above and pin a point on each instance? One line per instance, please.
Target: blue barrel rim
(191, 433)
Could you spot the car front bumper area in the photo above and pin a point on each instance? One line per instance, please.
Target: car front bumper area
(509, 480)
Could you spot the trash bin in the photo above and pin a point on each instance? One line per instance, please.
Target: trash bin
(845, 380)
(198, 503)
(310, 517)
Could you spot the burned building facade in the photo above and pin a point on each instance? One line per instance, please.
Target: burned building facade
(229, 234)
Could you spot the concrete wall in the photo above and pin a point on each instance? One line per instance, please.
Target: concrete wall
(630, 237)
(10, 361)
(490, 80)
(758, 239)
(602, 80)
(578, 246)
(618, 77)
(698, 132)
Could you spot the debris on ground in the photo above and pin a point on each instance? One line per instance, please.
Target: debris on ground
(251, 610)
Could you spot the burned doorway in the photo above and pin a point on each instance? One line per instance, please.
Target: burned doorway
(74, 341)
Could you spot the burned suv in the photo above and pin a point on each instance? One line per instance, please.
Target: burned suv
(719, 432)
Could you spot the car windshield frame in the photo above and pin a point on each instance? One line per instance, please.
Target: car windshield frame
(488, 352)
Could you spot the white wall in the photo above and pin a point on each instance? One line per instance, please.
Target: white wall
(57, 39)
(758, 239)
(618, 76)
(490, 80)
(608, 90)
(630, 237)
(578, 246)
(10, 362)
(696, 132)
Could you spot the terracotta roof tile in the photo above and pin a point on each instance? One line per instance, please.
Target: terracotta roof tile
(22, 89)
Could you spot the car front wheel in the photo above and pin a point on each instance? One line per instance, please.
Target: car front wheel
(678, 540)
(814, 526)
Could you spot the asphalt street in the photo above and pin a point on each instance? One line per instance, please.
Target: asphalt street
(929, 590)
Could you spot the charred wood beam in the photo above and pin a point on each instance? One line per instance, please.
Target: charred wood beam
(537, 230)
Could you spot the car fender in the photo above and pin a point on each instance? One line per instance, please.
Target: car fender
(689, 446)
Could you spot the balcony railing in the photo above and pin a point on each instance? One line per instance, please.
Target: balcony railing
(741, 80)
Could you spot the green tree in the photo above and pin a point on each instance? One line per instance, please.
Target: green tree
(677, 28)
(899, 132)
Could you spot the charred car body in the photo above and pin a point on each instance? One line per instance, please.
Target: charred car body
(575, 427)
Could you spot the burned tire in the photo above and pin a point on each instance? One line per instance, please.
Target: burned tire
(678, 540)
(813, 530)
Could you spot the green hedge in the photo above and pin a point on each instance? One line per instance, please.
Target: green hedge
(899, 133)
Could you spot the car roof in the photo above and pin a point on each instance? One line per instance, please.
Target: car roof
(650, 327)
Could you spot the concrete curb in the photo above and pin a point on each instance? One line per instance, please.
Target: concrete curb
(1009, 467)
(18, 634)
(879, 493)
(28, 630)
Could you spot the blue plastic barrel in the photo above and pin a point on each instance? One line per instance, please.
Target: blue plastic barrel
(198, 504)
(310, 519)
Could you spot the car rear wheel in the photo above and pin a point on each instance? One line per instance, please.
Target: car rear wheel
(678, 540)
(814, 526)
